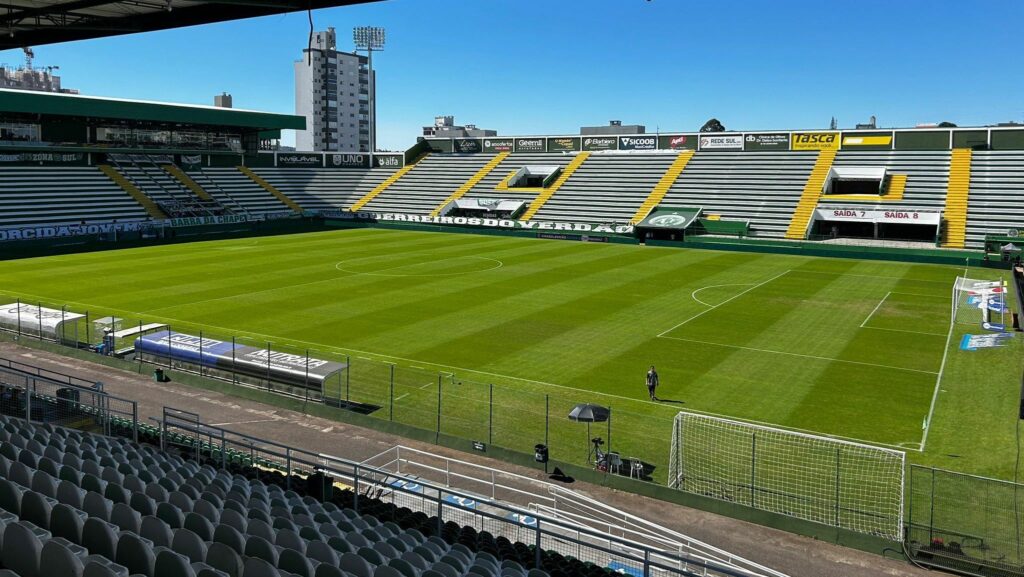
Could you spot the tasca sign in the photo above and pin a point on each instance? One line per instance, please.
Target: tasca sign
(529, 145)
(885, 216)
(591, 143)
(721, 142)
(815, 141)
(489, 222)
(498, 145)
(38, 232)
(638, 142)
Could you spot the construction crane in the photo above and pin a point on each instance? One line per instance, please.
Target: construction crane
(29, 55)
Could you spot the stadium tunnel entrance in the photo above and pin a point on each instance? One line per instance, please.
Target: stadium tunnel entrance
(876, 225)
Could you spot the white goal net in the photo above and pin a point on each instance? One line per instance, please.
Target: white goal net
(830, 481)
(980, 302)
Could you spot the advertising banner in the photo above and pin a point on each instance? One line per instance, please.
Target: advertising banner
(721, 142)
(776, 141)
(190, 161)
(68, 158)
(488, 222)
(868, 141)
(498, 144)
(34, 319)
(228, 356)
(888, 216)
(592, 143)
(678, 142)
(348, 160)
(530, 144)
(62, 231)
(563, 144)
(467, 145)
(203, 220)
(670, 218)
(299, 159)
(815, 141)
(388, 160)
(640, 142)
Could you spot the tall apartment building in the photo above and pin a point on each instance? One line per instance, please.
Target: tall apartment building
(332, 90)
(38, 79)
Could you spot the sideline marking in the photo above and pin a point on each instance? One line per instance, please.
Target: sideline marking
(802, 355)
(491, 374)
(693, 295)
(905, 331)
(938, 382)
(711, 308)
(869, 276)
(874, 310)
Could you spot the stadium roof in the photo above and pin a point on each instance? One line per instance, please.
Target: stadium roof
(37, 22)
(48, 103)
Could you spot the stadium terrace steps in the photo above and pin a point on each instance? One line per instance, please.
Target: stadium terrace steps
(63, 195)
(318, 189)
(187, 182)
(809, 198)
(488, 186)
(134, 191)
(917, 179)
(996, 195)
(469, 184)
(419, 188)
(762, 188)
(270, 188)
(955, 215)
(546, 195)
(661, 189)
(232, 188)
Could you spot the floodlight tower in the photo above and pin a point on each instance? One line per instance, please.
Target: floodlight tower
(370, 38)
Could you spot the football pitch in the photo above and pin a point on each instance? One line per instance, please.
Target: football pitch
(494, 339)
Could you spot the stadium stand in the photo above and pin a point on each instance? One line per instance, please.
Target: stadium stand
(760, 187)
(317, 189)
(996, 195)
(428, 183)
(488, 187)
(63, 195)
(170, 194)
(918, 179)
(232, 188)
(957, 193)
(607, 188)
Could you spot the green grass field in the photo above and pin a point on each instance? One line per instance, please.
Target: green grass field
(846, 348)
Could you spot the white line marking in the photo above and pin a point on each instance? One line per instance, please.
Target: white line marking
(938, 382)
(905, 331)
(245, 422)
(874, 310)
(736, 296)
(415, 367)
(830, 359)
(400, 397)
(365, 358)
(921, 295)
(430, 384)
(869, 276)
(693, 295)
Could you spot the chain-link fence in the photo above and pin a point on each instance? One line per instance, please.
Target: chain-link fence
(965, 522)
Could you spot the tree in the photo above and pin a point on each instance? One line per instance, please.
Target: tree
(712, 125)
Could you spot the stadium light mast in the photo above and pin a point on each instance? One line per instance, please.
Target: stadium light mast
(370, 38)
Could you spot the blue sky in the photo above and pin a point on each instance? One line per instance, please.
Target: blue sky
(550, 66)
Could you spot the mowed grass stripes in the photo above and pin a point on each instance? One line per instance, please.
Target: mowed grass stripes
(840, 347)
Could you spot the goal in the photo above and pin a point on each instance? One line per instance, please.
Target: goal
(980, 302)
(821, 479)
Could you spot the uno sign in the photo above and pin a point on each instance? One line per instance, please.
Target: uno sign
(816, 141)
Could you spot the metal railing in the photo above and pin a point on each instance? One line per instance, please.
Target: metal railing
(186, 430)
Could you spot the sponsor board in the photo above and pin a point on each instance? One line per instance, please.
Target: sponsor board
(641, 142)
(883, 141)
(498, 144)
(564, 144)
(678, 142)
(35, 318)
(204, 220)
(775, 141)
(888, 216)
(467, 145)
(191, 160)
(63, 231)
(305, 160)
(388, 160)
(726, 142)
(975, 342)
(530, 144)
(815, 141)
(43, 157)
(348, 160)
(485, 222)
(996, 327)
(591, 143)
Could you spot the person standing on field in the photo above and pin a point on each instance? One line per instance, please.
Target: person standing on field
(652, 383)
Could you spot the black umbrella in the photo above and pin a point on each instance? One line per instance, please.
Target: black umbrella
(587, 413)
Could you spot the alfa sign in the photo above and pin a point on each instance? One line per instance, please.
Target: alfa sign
(638, 142)
(388, 161)
(815, 141)
(489, 222)
(885, 216)
(726, 142)
(591, 143)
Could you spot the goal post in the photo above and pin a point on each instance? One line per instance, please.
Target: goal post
(979, 302)
(830, 481)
